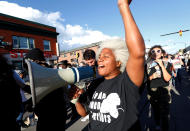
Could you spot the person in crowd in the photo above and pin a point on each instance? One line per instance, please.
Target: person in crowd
(182, 58)
(90, 57)
(171, 86)
(24, 99)
(167, 59)
(188, 63)
(69, 65)
(10, 96)
(170, 58)
(26, 103)
(82, 63)
(114, 102)
(63, 64)
(11, 83)
(177, 63)
(51, 109)
(159, 75)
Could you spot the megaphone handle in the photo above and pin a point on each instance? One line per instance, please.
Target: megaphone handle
(74, 101)
(32, 86)
(79, 91)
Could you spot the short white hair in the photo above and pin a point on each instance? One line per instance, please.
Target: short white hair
(119, 49)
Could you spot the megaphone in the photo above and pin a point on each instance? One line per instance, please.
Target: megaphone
(45, 80)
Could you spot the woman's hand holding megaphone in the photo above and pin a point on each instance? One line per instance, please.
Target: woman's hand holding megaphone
(74, 93)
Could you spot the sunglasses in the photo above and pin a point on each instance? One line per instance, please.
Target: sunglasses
(153, 51)
(165, 56)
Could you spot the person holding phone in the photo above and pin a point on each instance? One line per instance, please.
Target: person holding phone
(159, 77)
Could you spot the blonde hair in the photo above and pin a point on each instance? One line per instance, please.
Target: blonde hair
(119, 49)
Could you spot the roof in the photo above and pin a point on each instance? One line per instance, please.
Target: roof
(82, 47)
(9, 16)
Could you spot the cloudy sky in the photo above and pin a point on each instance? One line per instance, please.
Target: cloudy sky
(82, 22)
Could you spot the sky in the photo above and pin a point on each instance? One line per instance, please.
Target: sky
(83, 22)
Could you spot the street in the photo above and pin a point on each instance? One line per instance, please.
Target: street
(179, 109)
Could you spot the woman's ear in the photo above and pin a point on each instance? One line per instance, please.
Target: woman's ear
(118, 64)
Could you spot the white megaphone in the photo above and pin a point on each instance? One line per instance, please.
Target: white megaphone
(45, 80)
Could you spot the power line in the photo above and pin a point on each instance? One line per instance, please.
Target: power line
(179, 32)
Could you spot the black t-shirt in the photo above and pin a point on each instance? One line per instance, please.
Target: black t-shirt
(86, 97)
(159, 82)
(114, 105)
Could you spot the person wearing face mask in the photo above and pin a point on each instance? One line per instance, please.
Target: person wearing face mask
(159, 74)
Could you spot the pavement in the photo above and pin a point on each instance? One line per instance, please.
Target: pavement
(71, 124)
(180, 107)
(179, 110)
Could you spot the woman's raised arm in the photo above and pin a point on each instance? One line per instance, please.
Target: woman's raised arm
(135, 44)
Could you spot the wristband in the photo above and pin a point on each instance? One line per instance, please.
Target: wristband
(74, 101)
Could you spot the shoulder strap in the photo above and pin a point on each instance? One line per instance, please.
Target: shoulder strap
(166, 64)
(148, 67)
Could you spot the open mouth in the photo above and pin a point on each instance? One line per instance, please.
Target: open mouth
(101, 66)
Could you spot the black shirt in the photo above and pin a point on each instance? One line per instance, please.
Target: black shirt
(159, 82)
(114, 105)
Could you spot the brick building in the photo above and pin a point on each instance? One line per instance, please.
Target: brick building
(75, 56)
(18, 36)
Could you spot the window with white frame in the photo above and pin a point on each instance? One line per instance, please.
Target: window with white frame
(31, 43)
(47, 46)
(15, 42)
(23, 42)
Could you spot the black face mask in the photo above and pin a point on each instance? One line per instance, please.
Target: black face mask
(153, 56)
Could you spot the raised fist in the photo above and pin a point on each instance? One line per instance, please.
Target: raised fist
(120, 2)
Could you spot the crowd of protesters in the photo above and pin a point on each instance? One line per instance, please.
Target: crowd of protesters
(110, 100)
(160, 71)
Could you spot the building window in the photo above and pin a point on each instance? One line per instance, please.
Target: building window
(31, 43)
(23, 42)
(15, 42)
(47, 46)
